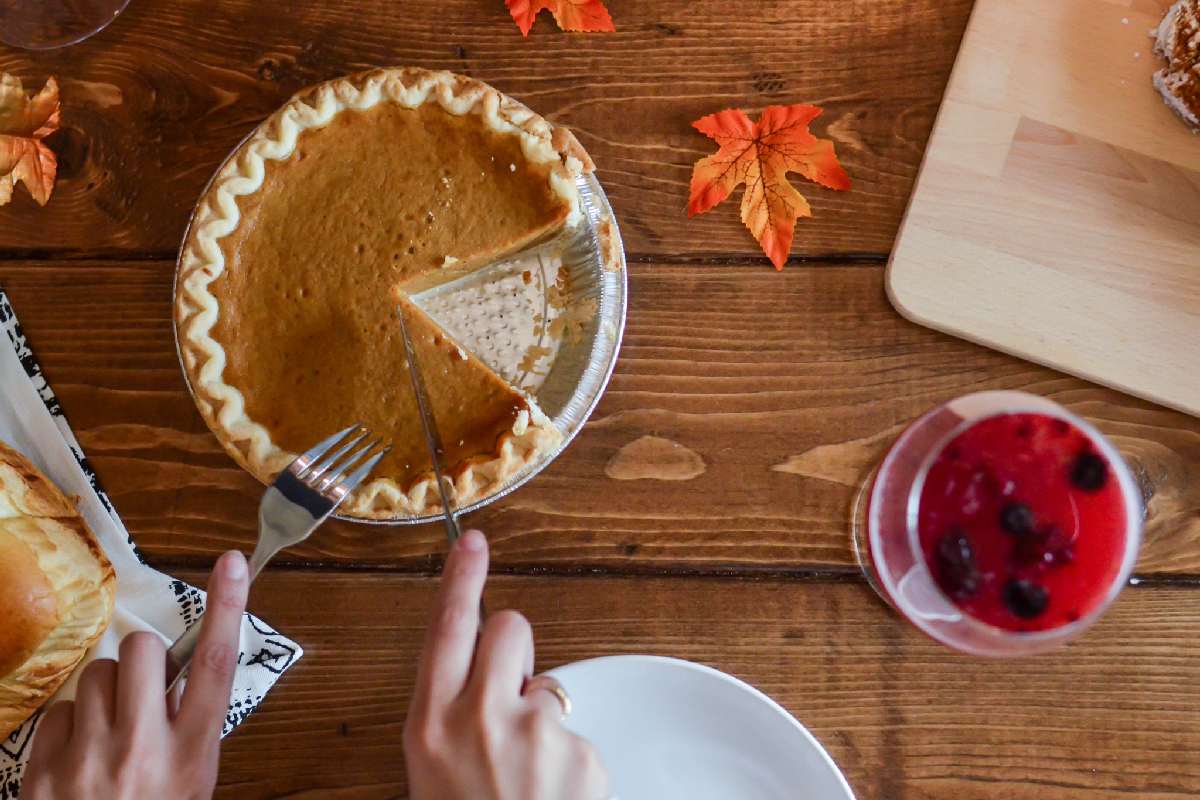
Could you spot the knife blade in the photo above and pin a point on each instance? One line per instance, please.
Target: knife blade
(429, 425)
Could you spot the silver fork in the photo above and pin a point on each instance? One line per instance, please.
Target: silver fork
(299, 500)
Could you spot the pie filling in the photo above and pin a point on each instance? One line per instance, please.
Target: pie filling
(373, 205)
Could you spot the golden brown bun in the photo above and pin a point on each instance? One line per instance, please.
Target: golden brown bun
(28, 604)
(56, 589)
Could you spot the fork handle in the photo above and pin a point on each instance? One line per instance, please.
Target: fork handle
(180, 653)
(183, 650)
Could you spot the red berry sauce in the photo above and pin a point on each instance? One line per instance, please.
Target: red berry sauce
(1022, 522)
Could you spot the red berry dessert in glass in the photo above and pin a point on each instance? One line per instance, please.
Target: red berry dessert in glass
(1001, 524)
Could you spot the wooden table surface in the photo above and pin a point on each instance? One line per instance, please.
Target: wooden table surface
(703, 511)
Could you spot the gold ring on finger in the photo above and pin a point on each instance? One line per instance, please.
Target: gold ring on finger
(550, 684)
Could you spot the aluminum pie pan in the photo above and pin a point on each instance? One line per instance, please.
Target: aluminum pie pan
(593, 257)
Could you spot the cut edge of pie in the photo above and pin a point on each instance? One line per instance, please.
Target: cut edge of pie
(217, 215)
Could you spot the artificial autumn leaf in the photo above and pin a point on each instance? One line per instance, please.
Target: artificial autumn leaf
(24, 123)
(571, 15)
(760, 155)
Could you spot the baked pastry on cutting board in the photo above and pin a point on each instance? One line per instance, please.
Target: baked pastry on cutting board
(56, 589)
(1178, 41)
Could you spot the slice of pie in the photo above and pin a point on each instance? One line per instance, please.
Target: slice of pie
(355, 193)
(1178, 41)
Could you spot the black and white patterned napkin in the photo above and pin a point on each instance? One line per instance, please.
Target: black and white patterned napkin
(32, 422)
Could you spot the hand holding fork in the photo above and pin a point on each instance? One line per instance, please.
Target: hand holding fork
(301, 498)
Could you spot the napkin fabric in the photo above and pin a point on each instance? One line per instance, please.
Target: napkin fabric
(147, 600)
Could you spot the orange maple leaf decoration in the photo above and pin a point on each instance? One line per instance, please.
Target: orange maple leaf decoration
(760, 155)
(24, 123)
(571, 15)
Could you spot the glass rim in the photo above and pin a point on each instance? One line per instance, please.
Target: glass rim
(121, 5)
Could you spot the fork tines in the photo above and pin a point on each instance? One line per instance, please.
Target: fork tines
(340, 470)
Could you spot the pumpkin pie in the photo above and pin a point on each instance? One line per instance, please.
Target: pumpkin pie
(356, 193)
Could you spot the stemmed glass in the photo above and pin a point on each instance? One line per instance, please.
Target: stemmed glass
(46, 24)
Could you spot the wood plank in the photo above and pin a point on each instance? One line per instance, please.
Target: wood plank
(153, 104)
(1113, 716)
(745, 410)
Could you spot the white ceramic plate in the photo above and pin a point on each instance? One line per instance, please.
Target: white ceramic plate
(673, 730)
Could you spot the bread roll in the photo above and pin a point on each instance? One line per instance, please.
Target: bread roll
(56, 589)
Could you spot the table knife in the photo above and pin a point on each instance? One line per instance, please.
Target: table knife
(432, 438)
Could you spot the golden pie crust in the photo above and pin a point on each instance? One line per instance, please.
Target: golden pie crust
(353, 193)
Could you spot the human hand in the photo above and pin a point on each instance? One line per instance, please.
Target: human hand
(120, 739)
(472, 733)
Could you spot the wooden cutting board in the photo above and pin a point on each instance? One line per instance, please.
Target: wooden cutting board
(1057, 214)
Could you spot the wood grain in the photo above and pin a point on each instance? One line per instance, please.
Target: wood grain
(154, 103)
(745, 410)
(1057, 215)
(1113, 716)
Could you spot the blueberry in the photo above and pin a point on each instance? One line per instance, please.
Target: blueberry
(1025, 598)
(1017, 519)
(1089, 472)
(1044, 547)
(1029, 551)
(955, 562)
